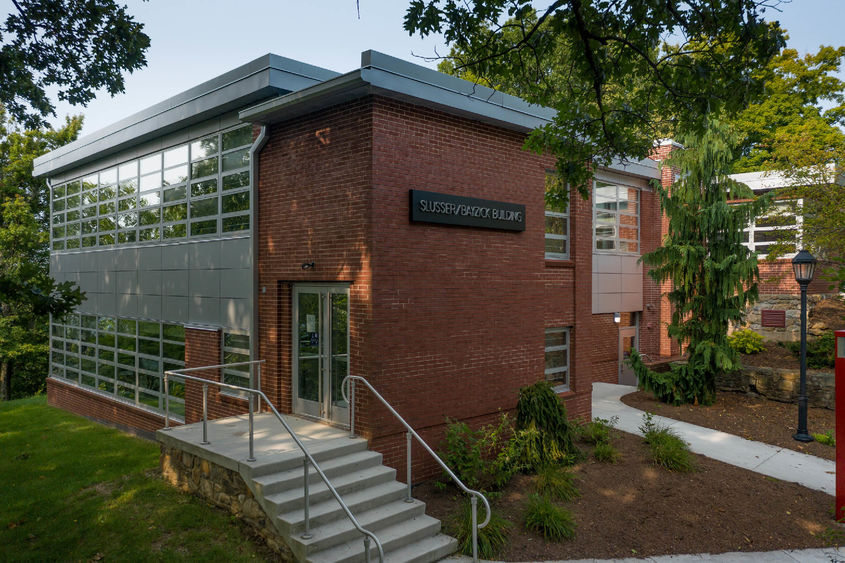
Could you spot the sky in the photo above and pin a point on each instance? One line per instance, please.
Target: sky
(195, 40)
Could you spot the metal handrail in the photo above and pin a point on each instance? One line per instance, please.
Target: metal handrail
(474, 495)
(309, 458)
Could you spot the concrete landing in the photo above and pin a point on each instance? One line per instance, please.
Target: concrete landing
(229, 439)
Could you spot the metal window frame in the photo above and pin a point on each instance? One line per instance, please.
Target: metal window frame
(617, 224)
(560, 385)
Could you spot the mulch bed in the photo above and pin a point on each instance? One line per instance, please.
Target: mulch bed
(748, 416)
(635, 509)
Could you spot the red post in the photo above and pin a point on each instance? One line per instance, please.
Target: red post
(840, 424)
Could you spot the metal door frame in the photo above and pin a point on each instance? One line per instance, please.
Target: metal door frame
(327, 411)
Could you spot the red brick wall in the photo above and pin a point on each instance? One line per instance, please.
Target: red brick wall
(778, 278)
(203, 348)
(444, 321)
(102, 409)
(313, 198)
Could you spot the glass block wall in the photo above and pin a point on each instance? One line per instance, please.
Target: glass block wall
(121, 358)
(197, 189)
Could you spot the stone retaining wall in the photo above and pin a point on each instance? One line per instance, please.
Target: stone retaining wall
(781, 385)
(791, 305)
(224, 488)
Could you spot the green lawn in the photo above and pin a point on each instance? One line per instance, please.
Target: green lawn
(71, 489)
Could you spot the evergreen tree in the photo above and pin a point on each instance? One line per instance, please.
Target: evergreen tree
(713, 275)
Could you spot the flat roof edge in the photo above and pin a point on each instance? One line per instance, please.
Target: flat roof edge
(392, 77)
(258, 79)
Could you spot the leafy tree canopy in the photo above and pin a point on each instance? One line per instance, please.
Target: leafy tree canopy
(789, 119)
(79, 46)
(713, 274)
(620, 73)
(27, 293)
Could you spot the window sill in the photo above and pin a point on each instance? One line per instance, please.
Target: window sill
(559, 263)
(563, 390)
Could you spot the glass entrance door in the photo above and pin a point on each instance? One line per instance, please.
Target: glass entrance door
(320, 351)
(628, 336)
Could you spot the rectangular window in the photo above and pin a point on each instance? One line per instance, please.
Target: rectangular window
(127, 365)
(781, 226)
(557, 232)
(236, 349)
(616, 218)
(557, 357)
(190, 175)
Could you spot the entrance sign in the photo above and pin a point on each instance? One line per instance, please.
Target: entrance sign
(432, 207)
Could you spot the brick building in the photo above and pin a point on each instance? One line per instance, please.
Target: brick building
(385, 223)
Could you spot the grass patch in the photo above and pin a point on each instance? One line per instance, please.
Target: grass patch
(667, 448)
(544, 517)
(557, 482)
(604, 452)
(76, 490)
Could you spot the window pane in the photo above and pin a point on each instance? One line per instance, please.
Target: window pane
(173, 332)
(204, 147)
(108, 176)
(204, 188)
(556, 246)
(178, 155)
(203, 228)
(148, 329)
(237, 138)
(178, 212)
(150, 216)
(175, 194)
(234, 181)
(555, 359)
(205, 167)
(128, 171)
(176, 175)
(150, 182)
(555, 338)
(235, 202)
(234, 160)
(236, 341)
(151, 164)
(204, 207)
(240, 223)
(174, 231)
(556, 225)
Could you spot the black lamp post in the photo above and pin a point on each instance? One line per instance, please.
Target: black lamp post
(803, 265)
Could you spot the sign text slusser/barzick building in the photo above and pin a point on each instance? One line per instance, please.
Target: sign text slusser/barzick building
(433, 207)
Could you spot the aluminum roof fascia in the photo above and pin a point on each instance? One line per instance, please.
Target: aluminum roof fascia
(336, 90)
(645, 168)
(395, 78)
(261, 78)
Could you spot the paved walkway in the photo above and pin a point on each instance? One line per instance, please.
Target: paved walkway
(780, 463)
(787, 465)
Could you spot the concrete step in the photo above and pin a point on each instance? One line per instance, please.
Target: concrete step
(281, 481)
(426, 550)
(346, 483)
(376, 519)
(417, 539)
(320, 450)
(329, 510)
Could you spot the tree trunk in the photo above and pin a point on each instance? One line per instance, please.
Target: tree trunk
(5, 380)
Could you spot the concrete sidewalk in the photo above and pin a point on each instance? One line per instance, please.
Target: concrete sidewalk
(828, 555)
(807, 470)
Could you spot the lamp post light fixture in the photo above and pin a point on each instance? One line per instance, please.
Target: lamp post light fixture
(804, 264)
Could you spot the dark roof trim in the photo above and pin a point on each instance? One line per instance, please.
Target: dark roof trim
(266, 76)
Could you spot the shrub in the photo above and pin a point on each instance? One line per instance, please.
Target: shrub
(553, 522)
(545, 433)
(820, 351)
(491, 538)
(597, 431)
(557, 482)
(746, 342)
(605, 452)
(827, 438)
(479, 457)
(666, 447)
